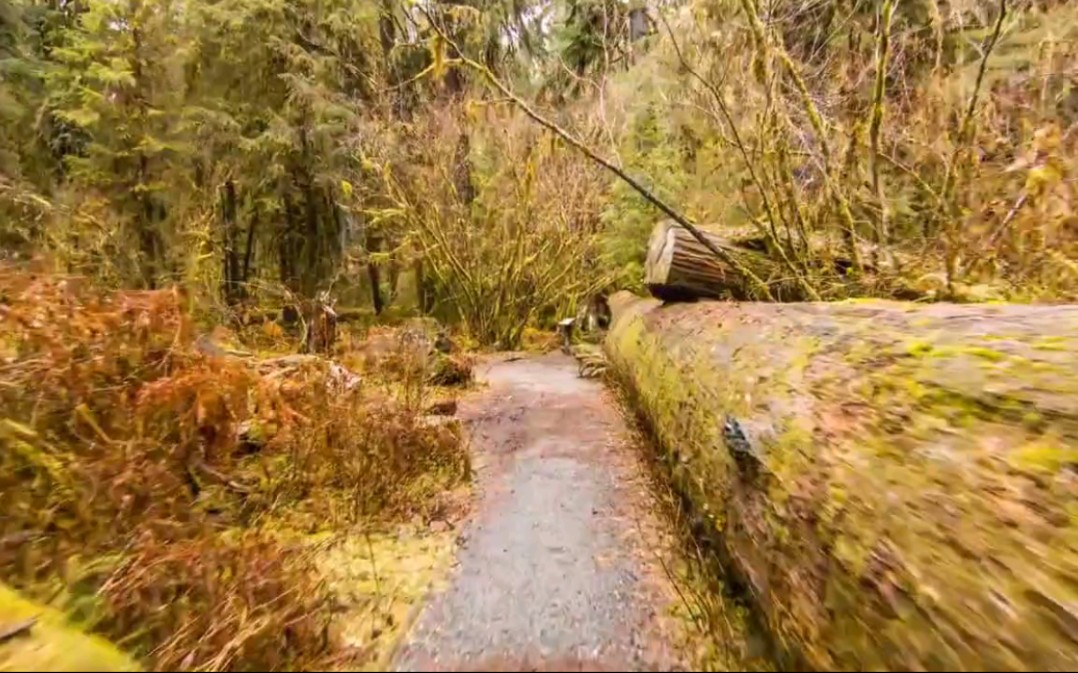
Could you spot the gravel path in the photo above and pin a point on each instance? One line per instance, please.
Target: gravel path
(557, 568)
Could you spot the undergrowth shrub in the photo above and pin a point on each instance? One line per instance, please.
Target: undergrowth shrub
(157, 492)
(929, 147)
(520, 246)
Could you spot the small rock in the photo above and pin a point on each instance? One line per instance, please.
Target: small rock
(443, 408)
(439, 526)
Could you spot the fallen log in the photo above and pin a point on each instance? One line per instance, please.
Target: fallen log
(893, 484)
(678, 267)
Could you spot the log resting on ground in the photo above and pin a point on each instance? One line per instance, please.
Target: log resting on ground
(893, 484)
(678, 267)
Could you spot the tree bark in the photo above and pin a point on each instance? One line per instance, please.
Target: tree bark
(248, 252)
(423, 287)
(374, 274)
(231, 257)
(884, 480)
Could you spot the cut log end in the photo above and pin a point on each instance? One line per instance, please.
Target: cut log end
(678, 267)
(660, 254)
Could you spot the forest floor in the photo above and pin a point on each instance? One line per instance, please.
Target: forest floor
(561, 561)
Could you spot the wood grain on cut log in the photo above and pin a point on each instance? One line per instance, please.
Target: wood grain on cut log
(678, 267)
(892, 483)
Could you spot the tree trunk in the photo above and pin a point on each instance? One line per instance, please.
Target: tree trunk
(423, 287)
(678, 267)
(374, 274)
(248, 252)
(321, 322)
(892, 484)
(231, 258)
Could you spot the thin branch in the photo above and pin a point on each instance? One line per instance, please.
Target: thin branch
(882, 49)
(967, 121)
(727, 115)
(767, 48)
(1007, 220)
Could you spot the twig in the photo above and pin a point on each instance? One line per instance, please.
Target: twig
(588, 152)
(724, 108)
(766, 47)
(1007, 220)
(967, 120)
(374, 568)
(17, 629)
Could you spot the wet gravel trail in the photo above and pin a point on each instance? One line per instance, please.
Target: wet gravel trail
(557, 568)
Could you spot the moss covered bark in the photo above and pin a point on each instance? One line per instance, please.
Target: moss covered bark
(909, 501)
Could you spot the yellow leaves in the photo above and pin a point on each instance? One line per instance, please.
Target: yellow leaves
(14, 429)
(368, 165)
(1047, 138)
(471, 111)
(272, 329)
(1044, 166)
(1043, 177)
(83, 412)
(346, 189)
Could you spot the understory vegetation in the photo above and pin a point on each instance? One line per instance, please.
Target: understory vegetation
(173, 499)
(387, 155)
(221, 222)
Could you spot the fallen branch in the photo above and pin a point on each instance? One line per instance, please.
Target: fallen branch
(591, 154)
(17, 629)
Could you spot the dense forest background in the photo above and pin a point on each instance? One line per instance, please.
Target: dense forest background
(261, 150)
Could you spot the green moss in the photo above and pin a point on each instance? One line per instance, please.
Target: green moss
(919, 348)
(52, 644)
(1044, 456)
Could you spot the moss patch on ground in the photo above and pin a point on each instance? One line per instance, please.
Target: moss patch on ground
(378, 583)
(51, 643)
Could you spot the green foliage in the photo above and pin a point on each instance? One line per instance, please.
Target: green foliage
(524, 249)
(628, 217)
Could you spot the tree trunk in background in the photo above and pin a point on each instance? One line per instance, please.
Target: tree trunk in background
(423, 290)
(886, 480)
(456, 90)
(394, 278)
(462, 166)
(374, 274)
(248, 252)
(231, 258)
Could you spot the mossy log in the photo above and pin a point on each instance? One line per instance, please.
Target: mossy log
(893, 484)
